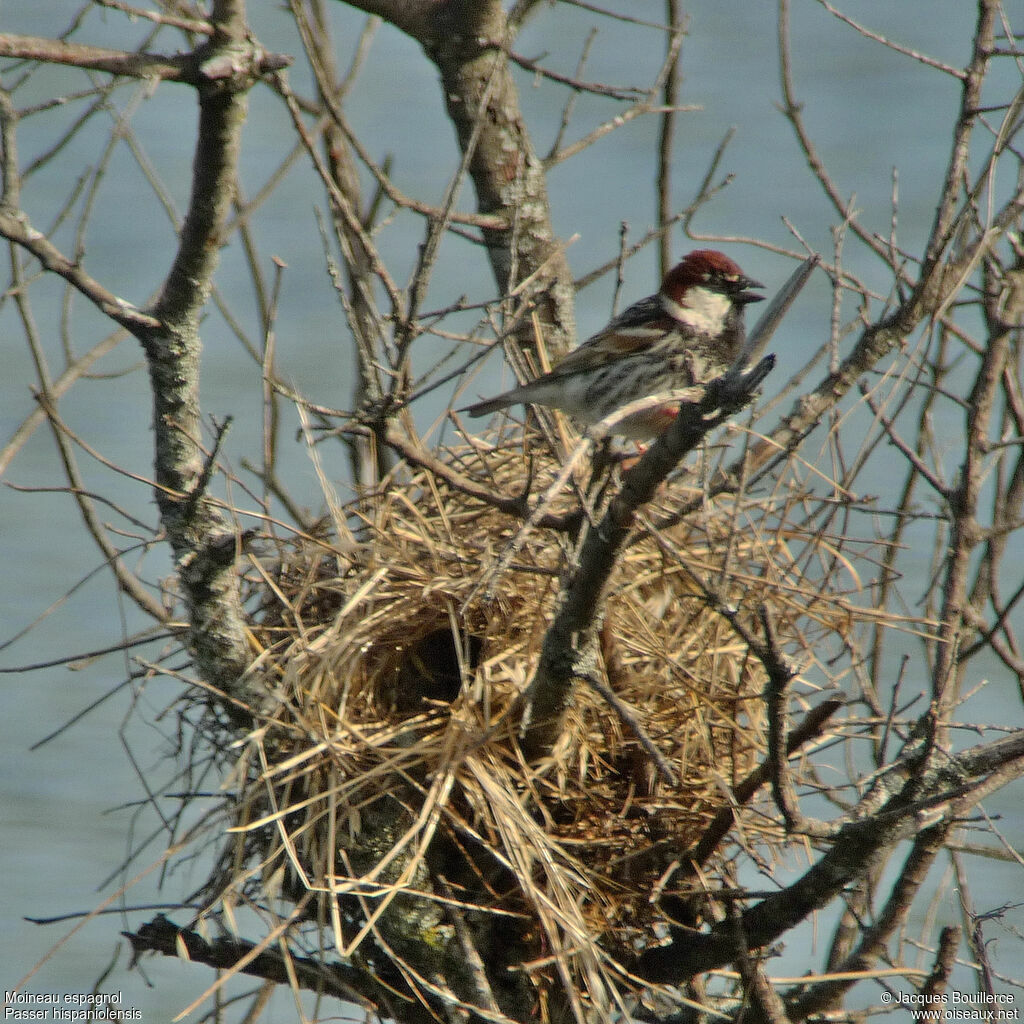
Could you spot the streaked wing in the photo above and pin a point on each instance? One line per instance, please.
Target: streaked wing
(631, 331)
(640, 314)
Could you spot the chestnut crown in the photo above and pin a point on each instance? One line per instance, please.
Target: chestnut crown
(708, 268)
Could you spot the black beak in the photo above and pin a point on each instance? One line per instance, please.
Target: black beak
(742, 297)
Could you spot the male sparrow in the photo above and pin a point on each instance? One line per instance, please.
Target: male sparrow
(686, 335)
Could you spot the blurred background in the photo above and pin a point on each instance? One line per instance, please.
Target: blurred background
(880, 121)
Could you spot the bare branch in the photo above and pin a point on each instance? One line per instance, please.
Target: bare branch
(204, 543)
(956, 786)
(192, 69)
(524, 732)
(780, 675)
(970, 104)
(666, 134)
(187, 24)
(508, 176)
(237, 955)
(127, 580)
(945, 961)
(923, 58)
(15, 227)
(818, 997)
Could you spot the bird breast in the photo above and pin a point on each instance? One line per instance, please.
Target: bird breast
(703, 310)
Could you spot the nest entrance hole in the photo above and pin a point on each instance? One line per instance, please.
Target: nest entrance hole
(432, 669)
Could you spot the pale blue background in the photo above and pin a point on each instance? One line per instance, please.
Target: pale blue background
(868, 110)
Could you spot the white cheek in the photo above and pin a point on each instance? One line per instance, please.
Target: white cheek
(705, 311)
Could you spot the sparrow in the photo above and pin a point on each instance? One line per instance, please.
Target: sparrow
(686, 335)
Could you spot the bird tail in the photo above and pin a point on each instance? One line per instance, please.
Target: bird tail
(491, 404)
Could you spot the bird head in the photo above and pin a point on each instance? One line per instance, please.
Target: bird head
(711, 270)
(706, 291)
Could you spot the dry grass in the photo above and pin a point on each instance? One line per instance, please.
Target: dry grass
(360, 781)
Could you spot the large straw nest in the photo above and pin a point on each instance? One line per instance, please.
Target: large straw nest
(400, 659)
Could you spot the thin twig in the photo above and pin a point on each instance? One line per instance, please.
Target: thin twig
(780, 675)
(923, 58)
(633, 723)
(175, 21)
(667, 132)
